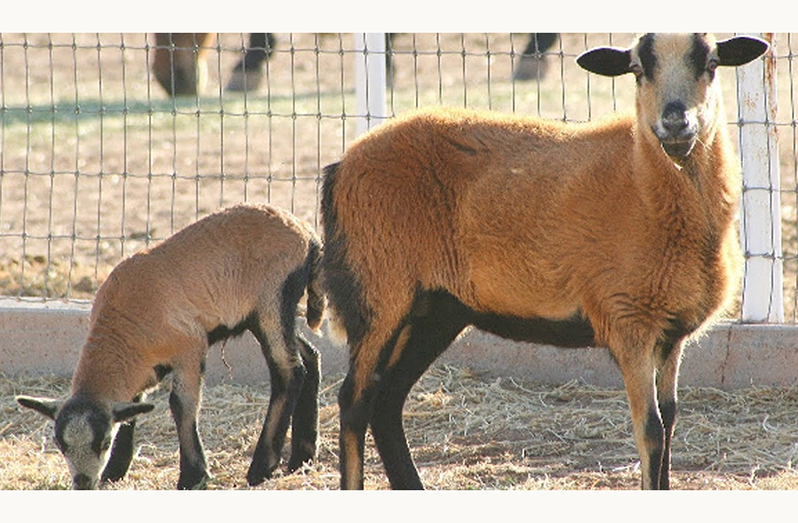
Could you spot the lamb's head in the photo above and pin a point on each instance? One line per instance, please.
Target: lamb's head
(84, 431)
(678, 97)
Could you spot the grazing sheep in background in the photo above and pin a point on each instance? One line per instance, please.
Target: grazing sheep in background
(244, 268)
(617, 234)
(248, 74)
(180, 62)
(533, 63)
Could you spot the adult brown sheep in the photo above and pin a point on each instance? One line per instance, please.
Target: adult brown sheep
(616, 234)
(243, 268)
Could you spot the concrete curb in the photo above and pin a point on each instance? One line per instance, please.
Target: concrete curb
(45, 338)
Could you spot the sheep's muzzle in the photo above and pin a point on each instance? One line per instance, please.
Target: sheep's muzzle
(677, 130)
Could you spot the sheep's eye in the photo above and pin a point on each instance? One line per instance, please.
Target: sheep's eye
(106, 444)
(712, 65)
(636, 70)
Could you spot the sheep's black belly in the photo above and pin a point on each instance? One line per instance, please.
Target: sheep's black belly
(573, 332)
(446, 308)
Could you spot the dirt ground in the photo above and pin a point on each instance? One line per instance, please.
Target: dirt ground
(465, 432)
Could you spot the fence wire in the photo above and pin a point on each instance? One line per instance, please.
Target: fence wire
(98, 161)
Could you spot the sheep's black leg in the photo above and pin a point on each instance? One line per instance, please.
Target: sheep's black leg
(638, 368)
(287, 377)
(122, 450)
(259, 50)
(540, 43)
(184, 403)
(667, 382)
(286, 388)
(248, 73)
(305, 422)
(356, 402)
(121, 453)
(354, 420)
(442, 319)
(532, 64)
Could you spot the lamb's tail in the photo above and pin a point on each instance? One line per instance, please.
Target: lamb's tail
(316, 302)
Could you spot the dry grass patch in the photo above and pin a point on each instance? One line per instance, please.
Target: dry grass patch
(466, 432)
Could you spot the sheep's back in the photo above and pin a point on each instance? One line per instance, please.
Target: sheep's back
(213, 272)
(466, 201)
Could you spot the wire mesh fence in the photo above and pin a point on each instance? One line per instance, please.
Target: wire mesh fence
(99, 160)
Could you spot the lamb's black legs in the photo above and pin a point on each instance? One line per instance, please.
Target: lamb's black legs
(121, 453)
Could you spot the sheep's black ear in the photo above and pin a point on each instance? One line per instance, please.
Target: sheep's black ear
(45, 406)
(740, 50)
(606, 61)
(125, 411)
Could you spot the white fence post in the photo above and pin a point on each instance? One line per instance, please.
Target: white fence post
(760, 220)
(370, 78)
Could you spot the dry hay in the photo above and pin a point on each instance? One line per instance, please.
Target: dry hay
(465, 432)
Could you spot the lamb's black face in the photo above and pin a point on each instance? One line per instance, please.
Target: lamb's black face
(84, 431)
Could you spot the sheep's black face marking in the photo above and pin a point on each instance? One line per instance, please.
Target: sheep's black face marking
(699, 58)
(648, 60)
(96, 419)
(85, 428)
(675, 93)
(675, 81)
(84, 433)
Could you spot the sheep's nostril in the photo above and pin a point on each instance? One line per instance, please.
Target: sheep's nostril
(82, 482)
(674, 118)
(675, 125)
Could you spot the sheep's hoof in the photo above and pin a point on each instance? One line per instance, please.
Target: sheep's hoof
(257, 474)
(300, 456)
(244, 82)
(530, 67)
(194, 483)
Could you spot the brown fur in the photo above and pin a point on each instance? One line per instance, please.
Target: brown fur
(158, 306)
(524, 218)
(243, 268)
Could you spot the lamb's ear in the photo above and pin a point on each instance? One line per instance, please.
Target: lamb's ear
(125, 411)
(740, 50)
(46, 406)
(606, 61)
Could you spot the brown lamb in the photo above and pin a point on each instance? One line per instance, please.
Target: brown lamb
(243, 268)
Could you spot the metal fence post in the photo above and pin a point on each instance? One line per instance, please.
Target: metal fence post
(370, 78)
(760, 219)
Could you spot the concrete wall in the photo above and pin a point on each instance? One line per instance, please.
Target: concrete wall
(45, 338)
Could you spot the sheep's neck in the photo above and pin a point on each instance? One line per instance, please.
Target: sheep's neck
(109, 369)
(703, 185)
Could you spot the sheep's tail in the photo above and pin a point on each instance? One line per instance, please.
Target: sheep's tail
(316, 301)
(347, 312)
